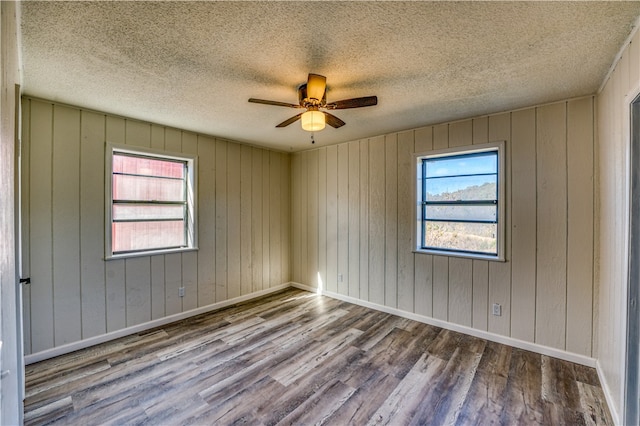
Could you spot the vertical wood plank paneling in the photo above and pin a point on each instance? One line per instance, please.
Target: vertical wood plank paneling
(377, 210)
(206, 221)
(233, 220)
(406, 267)
(190, 258)
(285, 208)
(304, 218)
(158, 297)
(354, 219)
(322, 218)
(221, 221)
(138, 279)
(173, 262)
(551, 226)
(25, 203)
(312, 226)
(461, 270)
(138, 270)
(245, 220)
(343, 219)
(441, 263)
(423, 278)
(42, 330)
(256, 219)
(266, 220)
(274, 219)
(480, 306)
(92, 277)
(391, 221)
(116, 290)
(364, 219)
(332, 218)
(580, 217)
(523, 219)
(500, 272)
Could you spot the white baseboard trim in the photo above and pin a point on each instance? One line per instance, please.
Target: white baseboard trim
(510, 341)
(606, 389)
(82, 344)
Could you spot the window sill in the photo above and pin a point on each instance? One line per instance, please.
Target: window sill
(463, 255)
(149, 253)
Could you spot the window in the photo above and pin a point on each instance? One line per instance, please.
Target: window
(460, 202)
(150, 202)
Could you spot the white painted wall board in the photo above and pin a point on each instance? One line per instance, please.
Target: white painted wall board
(233, 220)
(354, 219)
(190, 259)
(377, 210)
(137, 133)
(158, 298)
(114, 269)
(138, 286)
(523, 225)
(364, 219)
(332, 218)
(312, 224)
(580, 217)
(221, 221)
(92, 216)
(25, 200)
(441, 287)
(42, 331)
(322, 217)
(274, 219)
(423, 283)
(157, 136)
(304, 217)
(500, 272)
(206, 221)
(480, 304)
(173, 282)
(423, 139)
(266, 220)
(551, 225)
(256, 219)
(391, 221)
(406, 267)
(460, 291)
(246, 259)
(343, 218)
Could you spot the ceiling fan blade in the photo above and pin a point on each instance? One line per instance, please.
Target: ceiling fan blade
(276, 103)
(316, 86)
(332, 120)
(293, 119)
(353, 103)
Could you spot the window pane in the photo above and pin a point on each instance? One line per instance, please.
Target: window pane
(474, 237)
(147, 212)
(464, 188)
(453, 213)
(468, 164)
(147, 188)
(123, 163)
(129, 236)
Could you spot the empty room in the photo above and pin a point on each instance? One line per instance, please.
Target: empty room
(320, 212)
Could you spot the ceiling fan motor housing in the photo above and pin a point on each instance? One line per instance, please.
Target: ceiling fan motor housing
(307, 102)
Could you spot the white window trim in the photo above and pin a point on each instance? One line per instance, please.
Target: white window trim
(192, 191)
(501, 225)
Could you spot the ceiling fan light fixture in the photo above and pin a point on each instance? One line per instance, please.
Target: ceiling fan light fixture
(312, 121)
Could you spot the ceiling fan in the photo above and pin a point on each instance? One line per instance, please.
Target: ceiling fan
(313, 97)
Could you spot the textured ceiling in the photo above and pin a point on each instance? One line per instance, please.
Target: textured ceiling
(193, 65)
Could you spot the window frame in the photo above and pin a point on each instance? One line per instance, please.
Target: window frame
(499, 147)
(191, 228)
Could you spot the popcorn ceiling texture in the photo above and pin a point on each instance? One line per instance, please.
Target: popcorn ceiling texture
(193, 65)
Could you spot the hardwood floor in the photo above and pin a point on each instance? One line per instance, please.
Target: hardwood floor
(298, 358)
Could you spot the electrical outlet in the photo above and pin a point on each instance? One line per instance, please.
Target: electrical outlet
(497, 309)
(340, 278)
(181, 292)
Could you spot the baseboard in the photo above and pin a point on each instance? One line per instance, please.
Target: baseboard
(521, 344)
(606, 389)
(82, 344)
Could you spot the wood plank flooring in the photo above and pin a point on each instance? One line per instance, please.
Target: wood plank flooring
(298, 358)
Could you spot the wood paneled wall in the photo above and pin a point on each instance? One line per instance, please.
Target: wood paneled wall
(353, 223)
(613, 140)
(243, 227)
